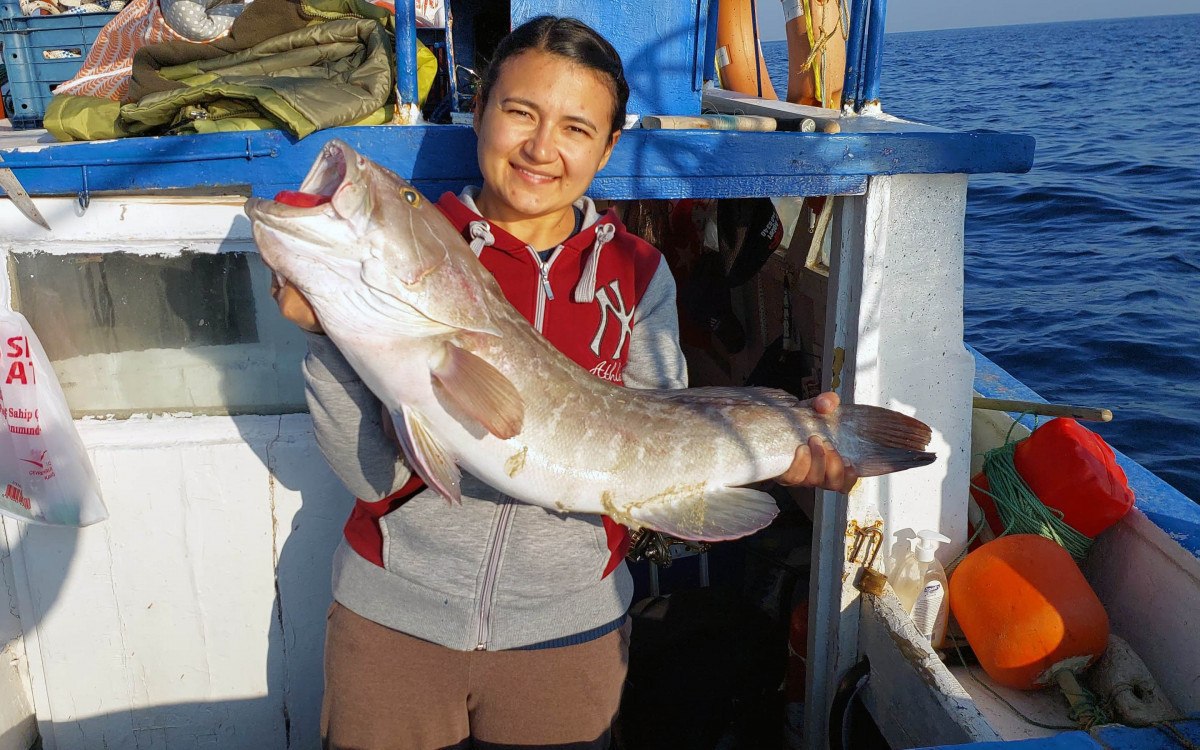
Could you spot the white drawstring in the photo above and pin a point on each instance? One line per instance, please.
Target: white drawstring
(481, 236)
(585, 290)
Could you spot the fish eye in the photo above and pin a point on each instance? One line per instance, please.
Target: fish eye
(412, 196)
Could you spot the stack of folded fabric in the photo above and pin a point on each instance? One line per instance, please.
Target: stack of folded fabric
(300, 65)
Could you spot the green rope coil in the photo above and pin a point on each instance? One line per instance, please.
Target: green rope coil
(1089, 713)
(1020, 509)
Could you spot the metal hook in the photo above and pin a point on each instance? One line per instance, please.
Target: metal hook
(867, 540)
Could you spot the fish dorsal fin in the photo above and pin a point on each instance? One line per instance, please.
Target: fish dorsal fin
(725, 396)
(715, 515)
(480, 390)
(428, 457)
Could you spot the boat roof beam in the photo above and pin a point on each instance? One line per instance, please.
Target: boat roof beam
(646, 163)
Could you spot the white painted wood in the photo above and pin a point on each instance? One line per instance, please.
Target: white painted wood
(894, 339)
(909, 354)
(144, 225)
(732, 102)
(833, 617)
(833, 610)
(1150, 587)
(161, 627)
(911, 695)
(18, 727)
(1013, 712)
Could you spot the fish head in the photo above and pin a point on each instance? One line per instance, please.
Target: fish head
(361, 245)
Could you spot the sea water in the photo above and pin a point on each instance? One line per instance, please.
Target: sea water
(1083, 276)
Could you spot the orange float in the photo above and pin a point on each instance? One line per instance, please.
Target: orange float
(1072, 471)
(821, 28)
(742, 67)
(740, 62)
(1027, 611)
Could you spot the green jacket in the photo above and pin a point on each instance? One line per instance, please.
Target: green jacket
(336, 70)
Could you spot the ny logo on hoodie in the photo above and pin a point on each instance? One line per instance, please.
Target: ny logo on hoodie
(622, 316)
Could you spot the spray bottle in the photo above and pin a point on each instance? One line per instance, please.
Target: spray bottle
(920, 585)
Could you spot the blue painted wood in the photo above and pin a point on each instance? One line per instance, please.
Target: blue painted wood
(465, 14)
(709, 72)
(873, 67)
(406, 53)
(31, 75)
(646, 163)
(451, 57)
(854, 53)
(759, 62)
(1167, 507)
(1176, 737)
(661, 44)
(1065, 741)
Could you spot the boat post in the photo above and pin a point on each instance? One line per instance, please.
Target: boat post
(893, 338)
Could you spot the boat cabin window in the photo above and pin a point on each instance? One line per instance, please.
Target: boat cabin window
(143, 334)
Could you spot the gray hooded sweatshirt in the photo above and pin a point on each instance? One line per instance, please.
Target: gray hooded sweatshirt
(491, 573)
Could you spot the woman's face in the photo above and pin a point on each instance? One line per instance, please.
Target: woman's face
(543, 135)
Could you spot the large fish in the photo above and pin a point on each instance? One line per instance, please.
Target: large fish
(471, 384)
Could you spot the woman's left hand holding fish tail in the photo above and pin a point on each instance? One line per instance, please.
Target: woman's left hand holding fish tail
(817, 463)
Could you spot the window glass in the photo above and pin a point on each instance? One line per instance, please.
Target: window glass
(194, 332)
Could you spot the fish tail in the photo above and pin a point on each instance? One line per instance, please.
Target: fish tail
(887, 440)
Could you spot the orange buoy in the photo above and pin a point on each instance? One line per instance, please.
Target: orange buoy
(1072, 471)
(740, 61)
(815, 24)
(1027, 611)
(809, 25)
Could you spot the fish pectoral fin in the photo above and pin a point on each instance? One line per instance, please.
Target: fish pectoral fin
(717, 515)
(428, 457)
(480, 390)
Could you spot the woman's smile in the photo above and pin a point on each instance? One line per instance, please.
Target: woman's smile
(534, 176)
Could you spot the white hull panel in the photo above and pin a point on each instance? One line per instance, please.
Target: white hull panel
(163, 627)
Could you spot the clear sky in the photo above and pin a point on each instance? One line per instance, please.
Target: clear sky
(919, 15)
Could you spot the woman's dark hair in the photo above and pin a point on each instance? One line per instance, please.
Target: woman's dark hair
(569, 38)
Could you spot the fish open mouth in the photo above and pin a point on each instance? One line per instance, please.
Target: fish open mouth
(299, 218)
(329, 171)
(327, 174)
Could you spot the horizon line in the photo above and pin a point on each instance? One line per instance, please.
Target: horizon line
(1025, 23)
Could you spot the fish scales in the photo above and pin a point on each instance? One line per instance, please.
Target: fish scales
(472, 386)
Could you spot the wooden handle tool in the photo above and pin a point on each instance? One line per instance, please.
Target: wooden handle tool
(709, 122)
(1088, 413)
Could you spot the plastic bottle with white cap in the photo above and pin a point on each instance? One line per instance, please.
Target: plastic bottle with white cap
(920, 585)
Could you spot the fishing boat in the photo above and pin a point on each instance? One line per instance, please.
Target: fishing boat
(194, 615)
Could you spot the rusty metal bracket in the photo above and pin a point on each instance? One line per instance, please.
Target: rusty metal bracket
(868, 540)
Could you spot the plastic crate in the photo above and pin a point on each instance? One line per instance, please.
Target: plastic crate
(30, 47)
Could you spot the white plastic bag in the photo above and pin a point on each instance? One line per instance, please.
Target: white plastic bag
(45, 474)
(431, 14)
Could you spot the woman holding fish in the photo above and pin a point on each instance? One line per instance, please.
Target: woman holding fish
(493, 620)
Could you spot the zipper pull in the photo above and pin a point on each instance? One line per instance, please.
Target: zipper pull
(541, 266)
(545, 281)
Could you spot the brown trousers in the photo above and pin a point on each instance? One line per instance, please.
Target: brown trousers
(385, 690)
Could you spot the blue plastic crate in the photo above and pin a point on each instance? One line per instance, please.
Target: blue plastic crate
(31, 44)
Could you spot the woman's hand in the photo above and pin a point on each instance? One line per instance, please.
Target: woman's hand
(294, 306)
(817, 463)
